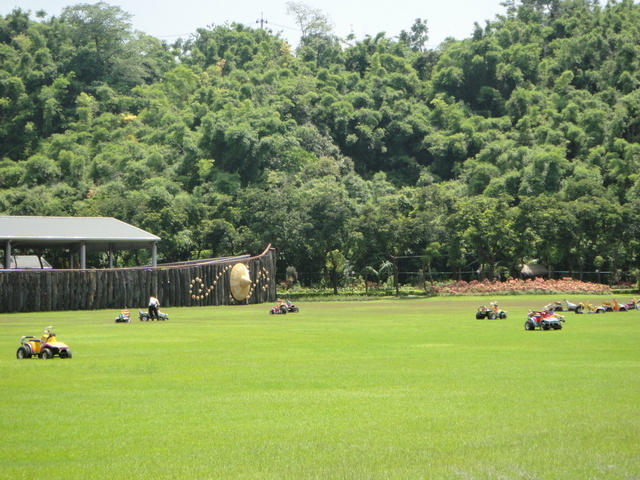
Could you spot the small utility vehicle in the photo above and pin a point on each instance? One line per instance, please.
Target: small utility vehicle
(543, 320)
(279, 309)
(45, 347)
(491, 312)
(291, 308)
(123, 317)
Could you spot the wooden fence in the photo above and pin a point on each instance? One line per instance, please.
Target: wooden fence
(176, 285)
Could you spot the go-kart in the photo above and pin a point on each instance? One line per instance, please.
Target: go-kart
(544, 320)
(45, 347)
(491, 313)
(123, 317)
(145, 317)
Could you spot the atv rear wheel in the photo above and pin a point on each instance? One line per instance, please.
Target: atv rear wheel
(529, 325)
(492, 316)
(578, 309)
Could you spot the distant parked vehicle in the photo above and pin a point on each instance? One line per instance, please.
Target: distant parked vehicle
(588, 308)
(279, 309)
(614, 306)
(123, 317)
(543, 320)
(291, 308)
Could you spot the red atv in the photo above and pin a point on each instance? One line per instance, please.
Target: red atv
(544, 320)
(291, 308)
(619, 307)
(279, 309)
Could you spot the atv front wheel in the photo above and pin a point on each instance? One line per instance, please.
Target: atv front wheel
(23, 352)
(65, 353)
(46, 354)
(578, 309)
(503, 315)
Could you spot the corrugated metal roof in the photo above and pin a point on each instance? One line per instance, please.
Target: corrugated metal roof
(97, 232)
(28, 261)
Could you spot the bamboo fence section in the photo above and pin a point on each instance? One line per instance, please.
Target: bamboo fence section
(190, 284)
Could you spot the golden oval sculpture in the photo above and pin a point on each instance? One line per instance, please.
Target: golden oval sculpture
(240, 281)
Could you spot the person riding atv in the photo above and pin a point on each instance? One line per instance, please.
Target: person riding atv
(491, 313)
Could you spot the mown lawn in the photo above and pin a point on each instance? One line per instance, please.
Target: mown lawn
(387, 389)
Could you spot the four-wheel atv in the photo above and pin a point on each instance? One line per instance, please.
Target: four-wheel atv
(291, 308)
(491, 313)
(123, 317)
(614, 306)
(588, 308)
(557, 306)
(544, 320)
(632, 305)
(279, 309)
(45, 347)
(571, 307)
(145, 317)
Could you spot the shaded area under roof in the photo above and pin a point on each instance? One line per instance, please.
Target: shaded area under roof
(99, 234)
(80, 234)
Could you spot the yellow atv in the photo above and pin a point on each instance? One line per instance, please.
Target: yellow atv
(588, 308)
(45, 347)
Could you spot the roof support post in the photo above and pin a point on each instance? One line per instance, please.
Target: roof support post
(7, 255)
(83, 255)
(154, 254)
(111, 255)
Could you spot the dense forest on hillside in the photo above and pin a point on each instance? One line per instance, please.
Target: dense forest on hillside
(520, 142)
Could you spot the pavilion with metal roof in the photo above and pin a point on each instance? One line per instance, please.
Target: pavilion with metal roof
(78, 234)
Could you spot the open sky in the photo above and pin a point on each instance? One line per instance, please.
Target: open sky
(169, 20)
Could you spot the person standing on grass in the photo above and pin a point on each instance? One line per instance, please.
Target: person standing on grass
(154, 305)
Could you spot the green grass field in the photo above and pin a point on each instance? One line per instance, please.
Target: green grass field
(387, 389)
